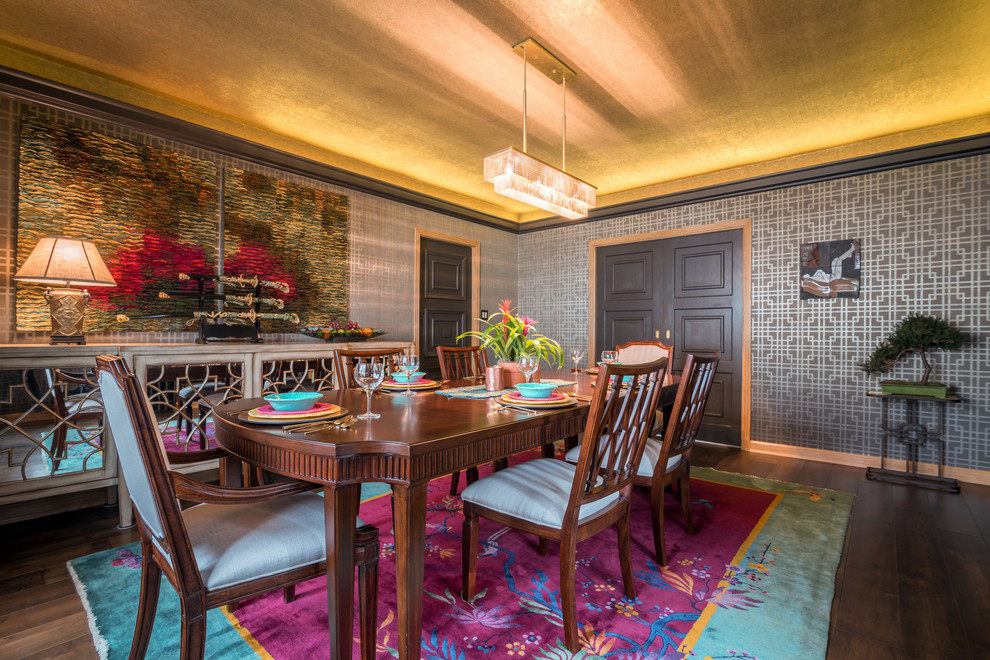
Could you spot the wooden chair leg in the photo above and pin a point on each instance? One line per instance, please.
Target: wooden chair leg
(656, 506)
(367, 555)
(472, 475)
(192, 637)
(469, 553)
(544, 547)
(625, 555)
(454, 478)
(568, 592)
(151, 579)
(685, 492)
(289, 593)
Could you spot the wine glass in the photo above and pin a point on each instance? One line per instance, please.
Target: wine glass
(528, 364)
(408, 364)
(576, 355)
(609, 357)
(369, 375)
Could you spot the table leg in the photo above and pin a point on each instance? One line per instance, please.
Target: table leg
(409, 519)
(341, 508)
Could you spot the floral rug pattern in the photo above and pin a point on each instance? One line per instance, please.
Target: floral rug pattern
(719, 597)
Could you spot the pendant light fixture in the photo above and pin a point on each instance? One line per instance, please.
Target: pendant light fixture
(518, 175)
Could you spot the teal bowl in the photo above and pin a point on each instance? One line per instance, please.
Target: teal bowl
(401, 377)
(293, 401)
(535, 390)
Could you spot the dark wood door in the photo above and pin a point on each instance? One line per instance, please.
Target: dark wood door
(444, 298)
(687, 292)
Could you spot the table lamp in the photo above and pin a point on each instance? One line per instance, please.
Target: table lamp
(69, 262)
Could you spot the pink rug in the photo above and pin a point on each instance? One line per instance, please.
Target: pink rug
(517, 610)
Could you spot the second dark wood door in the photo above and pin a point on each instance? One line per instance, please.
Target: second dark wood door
(444, 298)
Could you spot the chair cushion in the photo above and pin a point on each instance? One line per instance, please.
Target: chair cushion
(536, 491)
(235, 543)
(650, 456)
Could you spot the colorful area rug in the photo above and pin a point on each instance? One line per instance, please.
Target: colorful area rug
(756, 581)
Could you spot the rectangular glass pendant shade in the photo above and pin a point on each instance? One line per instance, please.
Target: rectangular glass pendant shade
(518, 175)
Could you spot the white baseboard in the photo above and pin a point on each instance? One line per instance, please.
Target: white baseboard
(967, 475)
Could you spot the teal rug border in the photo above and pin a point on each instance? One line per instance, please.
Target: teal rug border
(801, 621)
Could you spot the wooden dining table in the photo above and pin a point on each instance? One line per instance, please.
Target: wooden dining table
(417, 439)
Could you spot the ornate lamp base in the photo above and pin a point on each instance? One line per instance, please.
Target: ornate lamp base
(68, 310)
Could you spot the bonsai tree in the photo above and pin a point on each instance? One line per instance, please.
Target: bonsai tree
(916, 333)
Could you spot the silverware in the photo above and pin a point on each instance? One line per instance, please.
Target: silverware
(350, 422)
(498, 405)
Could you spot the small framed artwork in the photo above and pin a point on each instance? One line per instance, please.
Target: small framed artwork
(830, 269)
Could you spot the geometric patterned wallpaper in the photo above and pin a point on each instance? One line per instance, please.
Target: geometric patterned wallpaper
(925, 233)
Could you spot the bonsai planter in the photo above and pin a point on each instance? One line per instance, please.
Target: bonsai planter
(936, 390)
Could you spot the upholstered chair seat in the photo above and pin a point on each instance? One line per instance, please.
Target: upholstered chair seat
(235, 543)
(536, 491)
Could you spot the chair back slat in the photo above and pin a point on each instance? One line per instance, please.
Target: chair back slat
(618, 424)
(640, 352)
(345, 360)
(689, 406)
(461, 361)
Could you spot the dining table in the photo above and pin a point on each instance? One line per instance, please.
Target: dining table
(417, 439)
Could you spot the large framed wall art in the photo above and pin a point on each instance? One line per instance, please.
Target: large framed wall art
(155, 213)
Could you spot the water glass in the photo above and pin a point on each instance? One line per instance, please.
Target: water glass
(407, 365)
(369, 375)
(528, 364)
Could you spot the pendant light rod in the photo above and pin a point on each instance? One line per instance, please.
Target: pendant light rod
(524, 96)
(563, 127)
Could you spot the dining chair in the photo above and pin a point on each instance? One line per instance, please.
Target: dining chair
(345, 359)
(562, 501)
(458, 362)
(71, 408)
(236, 543)
(637, 352)
(667, 458)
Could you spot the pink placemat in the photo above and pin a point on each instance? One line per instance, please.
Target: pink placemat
(556, 396)
(319, 407)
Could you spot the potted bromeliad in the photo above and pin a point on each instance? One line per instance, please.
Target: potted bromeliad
(510, 335)
(916, 333)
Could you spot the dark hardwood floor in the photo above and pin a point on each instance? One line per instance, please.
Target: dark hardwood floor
(914, 581)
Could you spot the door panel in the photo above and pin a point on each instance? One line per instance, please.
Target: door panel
(693, 292)
(628, 326)
(704, 270)
(445, 298)
(704, 332)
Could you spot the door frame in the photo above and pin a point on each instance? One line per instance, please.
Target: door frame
(475, 276)
(746, 225)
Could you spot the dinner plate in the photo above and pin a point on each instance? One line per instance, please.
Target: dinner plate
(423, 384)
(331, 414)
(538, 405)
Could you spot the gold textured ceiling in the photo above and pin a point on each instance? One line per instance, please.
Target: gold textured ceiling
(670, 94)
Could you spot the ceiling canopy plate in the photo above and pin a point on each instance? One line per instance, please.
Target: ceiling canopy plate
(543, 60)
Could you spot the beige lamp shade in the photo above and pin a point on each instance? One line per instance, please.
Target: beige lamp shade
(65, 261)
